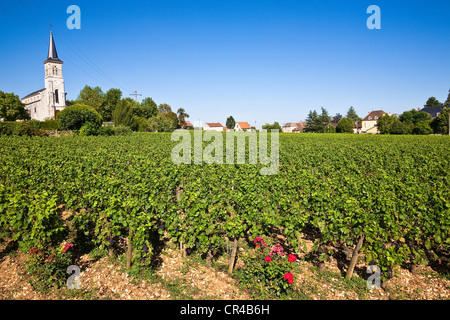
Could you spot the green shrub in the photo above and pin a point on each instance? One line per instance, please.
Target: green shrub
(48, 267)
(6, 128)
(329, 129)
(345, 125)
(88, 129)
(49, 125)
(75, 116)
(24, 129)
(122, 130)
(36, 124)
(106, 131)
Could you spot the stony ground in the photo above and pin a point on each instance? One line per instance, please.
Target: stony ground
(189, 278)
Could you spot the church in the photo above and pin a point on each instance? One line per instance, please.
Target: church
(45, 104)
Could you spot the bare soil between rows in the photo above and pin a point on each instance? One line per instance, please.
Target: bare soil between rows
(187, 278)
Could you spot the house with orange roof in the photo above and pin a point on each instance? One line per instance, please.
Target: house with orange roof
(242, 126)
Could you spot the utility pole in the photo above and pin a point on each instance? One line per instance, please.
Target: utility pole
(135, 94)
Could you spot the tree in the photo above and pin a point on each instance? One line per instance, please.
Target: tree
(111, 99)
(336, 118)
(149, 108)
(413, 116)
(170, 118)
(398, 127)
(316, 122)
(182, 115)
(274, 126)
(311, 121)
(146, 109)
(75, 116)
(345, 125)
(422, 127)
(351, 114)
(384, 123)
(161, 123)
(324, 118)
(93, 97)
(440, 123)
(230, 123)
(123, 114)
(433, 102)
(11, 108)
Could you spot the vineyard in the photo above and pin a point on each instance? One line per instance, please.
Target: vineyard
(384, 198)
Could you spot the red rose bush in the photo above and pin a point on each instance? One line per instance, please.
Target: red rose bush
(268, 268)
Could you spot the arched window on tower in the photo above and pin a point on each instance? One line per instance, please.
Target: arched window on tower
(56, 96)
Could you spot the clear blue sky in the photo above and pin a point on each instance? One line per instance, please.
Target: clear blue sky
(259, 61)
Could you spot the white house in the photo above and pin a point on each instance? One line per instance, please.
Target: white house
(47, 102)
(294, 127)
(211, 126)
(241, 126)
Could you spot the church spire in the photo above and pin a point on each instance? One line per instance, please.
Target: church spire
(52, 54)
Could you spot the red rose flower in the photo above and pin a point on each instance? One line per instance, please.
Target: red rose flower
(268, 259)
(67, 246)
(292, 258)
(289, 277)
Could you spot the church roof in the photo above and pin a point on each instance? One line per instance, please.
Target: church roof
(33, 93)
(52, 55)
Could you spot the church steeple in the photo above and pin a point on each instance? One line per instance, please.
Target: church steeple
(52, 55)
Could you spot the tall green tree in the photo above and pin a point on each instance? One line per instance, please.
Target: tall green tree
(432, 102)
(230, 123)
(317, 122)
(92, 96)
(324, 117)
(182, 115)
(351, 114)
(123, 114)
(11, 108)
(336, 118)
(384, 123)
(111, 99)
(311, 121)
(172, 119)
(440, 123)
(149, 108)
(413, 116)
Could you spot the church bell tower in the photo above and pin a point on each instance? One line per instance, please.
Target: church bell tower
(55, 94)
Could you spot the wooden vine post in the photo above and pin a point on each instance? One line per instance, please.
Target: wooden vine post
(352, 264)
(129, 249)
(233, 256)
(182, 246)
(208, 259)
(183, 249)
